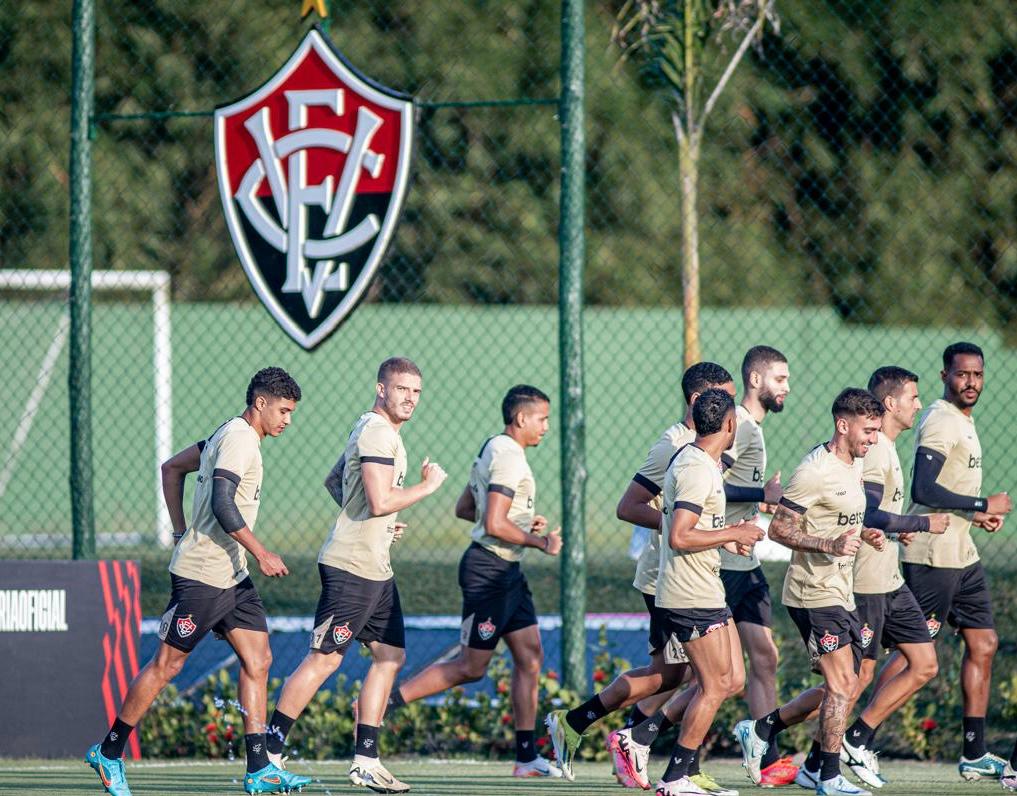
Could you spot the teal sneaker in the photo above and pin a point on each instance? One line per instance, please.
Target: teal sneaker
(111, 772)
(272, 779)
(988, 766)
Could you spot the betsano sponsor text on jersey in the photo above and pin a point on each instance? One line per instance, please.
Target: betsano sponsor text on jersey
(33, 610)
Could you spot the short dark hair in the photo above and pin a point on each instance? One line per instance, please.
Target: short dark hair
(954, 349)
(709, 411)
(702, 376)
(759, 357)
(394, 366)
(856, 402)
(275, 382)
(890, 380)
(518, 397)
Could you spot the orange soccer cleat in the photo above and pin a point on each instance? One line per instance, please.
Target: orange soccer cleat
(781, 772)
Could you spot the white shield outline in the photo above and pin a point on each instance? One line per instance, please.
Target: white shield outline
(372, 91)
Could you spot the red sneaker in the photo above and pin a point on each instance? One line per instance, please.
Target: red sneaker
(781, 772)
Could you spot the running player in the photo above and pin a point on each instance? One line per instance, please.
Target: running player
(887, 610)
(765, 380)
(944, 572)
(820, 517)
(641, 505)
(497, 604)
(359, 599)
(211, 587)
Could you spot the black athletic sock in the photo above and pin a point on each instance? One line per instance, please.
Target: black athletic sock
(694, 762)
(1013, 757)
(768, 726)
(646, 732)
(115, 740)
(636, 716)
(829, 765)
(974, 737)
(860, 734)
(582, 717)
(678, 765)
(395, 701)
(812, 758)
(279, 727)
(257, 753)
(526, 748)
(770, 756)
(367, 741)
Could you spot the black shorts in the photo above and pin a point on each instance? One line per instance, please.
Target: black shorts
(958, 596)
(748, 596)
(195, 608)
(352, 607)
(889, 619)
(496, 598)
(658, 640)
(690, 624)
(826, 630)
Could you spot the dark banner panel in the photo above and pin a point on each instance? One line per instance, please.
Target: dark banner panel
(69, 644)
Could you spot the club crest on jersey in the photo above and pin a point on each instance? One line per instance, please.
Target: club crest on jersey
(313, 168)
(829, 642)
(185, 626)
(342, 633)
(934, 625)
(867, 634)
(486, 629)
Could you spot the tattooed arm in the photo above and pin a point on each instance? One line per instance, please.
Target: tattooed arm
(788, 528)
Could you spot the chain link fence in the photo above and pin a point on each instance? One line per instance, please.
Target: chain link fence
(858, 207)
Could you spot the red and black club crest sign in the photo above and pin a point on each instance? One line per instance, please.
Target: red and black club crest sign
(313, 169)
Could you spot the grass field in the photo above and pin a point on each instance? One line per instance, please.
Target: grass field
(428, 778)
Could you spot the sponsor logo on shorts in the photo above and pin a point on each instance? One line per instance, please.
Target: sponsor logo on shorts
(486, 629)
(342, 633)
(714, 626)
(829, 642)
(867, 635)
(934, 625)
(185, 626)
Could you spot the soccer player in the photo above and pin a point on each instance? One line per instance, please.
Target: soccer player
(690, 594)
(499, 500)
(359, 599)
(765, 380)
(944, 572)
(641, 505)
(887, 611)
(211, 587)
(820, 517)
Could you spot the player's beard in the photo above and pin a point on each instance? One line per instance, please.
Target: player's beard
(770, 402)
(965, 402)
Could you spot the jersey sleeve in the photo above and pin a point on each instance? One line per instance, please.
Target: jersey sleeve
(235, 455)
(804, 489)
(876, 465)
(693, 485)
(742, 442)
(938, 433)
(508, 468)
(651, 474)
(377, 445)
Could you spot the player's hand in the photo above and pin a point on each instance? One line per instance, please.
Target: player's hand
(539, 524)
(772, 490)
(847, 544)
(731, 547)
(939, 522)
(553, 542)
(874, 538)
(272, 566)
(768, 508)
(988, 522)
(397, 531)
(905, 538)
(747, 534)
(999, 503)
(432, 474)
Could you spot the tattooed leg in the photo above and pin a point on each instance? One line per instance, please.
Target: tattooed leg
(839, 671)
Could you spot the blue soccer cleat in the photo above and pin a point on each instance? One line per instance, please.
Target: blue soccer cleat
(111, 772)
(988, 766)
(272, 779)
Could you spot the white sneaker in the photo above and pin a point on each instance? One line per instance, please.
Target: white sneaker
(538, 767)
(753, 748)
(1009, 779)
(861, 762)
(840, 786)
(370, 773)
(807, 779)
(678, 787)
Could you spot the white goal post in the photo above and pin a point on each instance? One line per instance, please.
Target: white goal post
(157, 283)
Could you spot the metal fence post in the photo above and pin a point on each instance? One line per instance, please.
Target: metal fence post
(79, 378)
(570, 306)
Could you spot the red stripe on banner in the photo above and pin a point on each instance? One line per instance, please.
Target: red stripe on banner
(132, 620)
(118, 631)
(107, 691)
(107, 595)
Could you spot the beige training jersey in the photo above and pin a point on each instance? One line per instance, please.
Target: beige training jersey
(359, 543)
(651, 477)
(692, 580)
(878, 572)
(748, 464)
(947, 430)
(829, 493)
(206, 552)
(501, 467)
